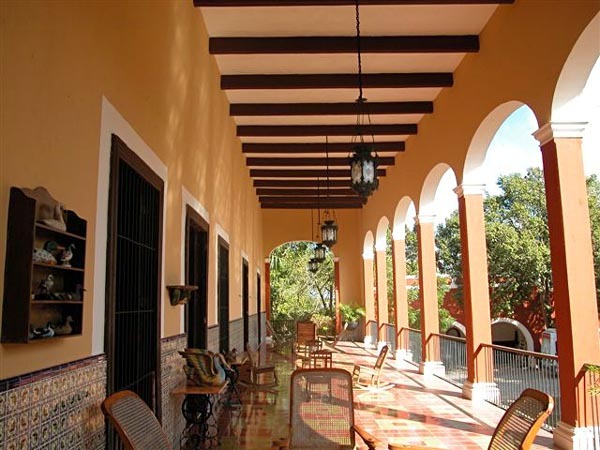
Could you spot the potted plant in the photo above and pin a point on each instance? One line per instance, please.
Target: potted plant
(351, 314)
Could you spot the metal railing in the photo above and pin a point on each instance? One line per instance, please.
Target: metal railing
(453, 353)
(371, 330)
(410, 339)
(515, 370)
(387, 333)
(591, 384)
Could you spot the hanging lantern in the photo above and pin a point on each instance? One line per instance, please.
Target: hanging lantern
(313, 265)
(329, 233)
(320, 252)
(363, 166)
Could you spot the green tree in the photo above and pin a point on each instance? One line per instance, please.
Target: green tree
(296, 293)
(517, 241)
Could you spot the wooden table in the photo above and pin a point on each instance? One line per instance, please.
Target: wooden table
(198, 410)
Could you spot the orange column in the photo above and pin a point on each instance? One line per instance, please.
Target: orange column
(572, 275)
(479, 385)
(382, 299)
(400, 295)
(430, 356)
(267, 288)
(338, 317)
(370, 338)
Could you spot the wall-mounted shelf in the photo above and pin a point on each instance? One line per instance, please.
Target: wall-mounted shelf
(45, 289)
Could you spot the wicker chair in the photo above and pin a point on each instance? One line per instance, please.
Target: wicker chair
(135, 423)
(519, 424)
(322, 412)
(368, 378)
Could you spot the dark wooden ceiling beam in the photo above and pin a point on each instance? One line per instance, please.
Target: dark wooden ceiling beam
(254, 3)
(337, 81)
(324, 130)
(345, 44)
(327, 109)
(323, 192)
(300, 183)
(316, 147)
(298, 162)
(287, 205)
(304, 173)
(314, 200)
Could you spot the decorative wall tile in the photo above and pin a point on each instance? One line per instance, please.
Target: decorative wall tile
(57, 408)
(172, 375)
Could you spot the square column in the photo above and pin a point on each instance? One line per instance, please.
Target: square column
(336, 274)
(430, 323)
(400, 294)
(572, 276)
(479, 385)
(382, 299)
(370, 338)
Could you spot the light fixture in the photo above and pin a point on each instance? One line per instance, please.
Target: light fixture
(313, 265)
(329, 227)
(320, 252)
(363, 163)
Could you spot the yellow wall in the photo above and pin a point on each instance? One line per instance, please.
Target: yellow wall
(295, 225)
(150, 61)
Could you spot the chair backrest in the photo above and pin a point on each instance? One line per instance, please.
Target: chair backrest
(521, 421)
(381, 358)
(136, 424)
(305, 332)
(251, 354)
(321, 409)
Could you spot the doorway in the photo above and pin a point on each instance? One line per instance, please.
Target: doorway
(196, 259)
(223, 295)
(245, 300)
(133, 286)
(258, 314)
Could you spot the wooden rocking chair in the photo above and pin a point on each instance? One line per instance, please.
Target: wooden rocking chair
(519, 424)
(259, 368)
(369, 378)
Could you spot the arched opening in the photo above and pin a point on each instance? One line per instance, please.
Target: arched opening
(511, 333)
(298, 294)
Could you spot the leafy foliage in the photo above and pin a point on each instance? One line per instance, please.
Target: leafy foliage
(297, 294)
(517, 238)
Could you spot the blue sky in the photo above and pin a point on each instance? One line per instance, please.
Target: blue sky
(514, 150)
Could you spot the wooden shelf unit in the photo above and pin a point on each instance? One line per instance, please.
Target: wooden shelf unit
(25, 306)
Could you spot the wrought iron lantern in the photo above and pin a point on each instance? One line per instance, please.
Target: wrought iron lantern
(363, 165)
(313, 265)
(320, 252)
(364, 160)
(329, 233)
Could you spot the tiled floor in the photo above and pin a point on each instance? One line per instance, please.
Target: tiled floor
(417, 410)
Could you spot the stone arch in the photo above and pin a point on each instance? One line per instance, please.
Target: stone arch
(459, 328)
(401, 217)
(524, 332)
(481, 140)
(430, 186)
(568, 103)
(380, 237)
(368, 244)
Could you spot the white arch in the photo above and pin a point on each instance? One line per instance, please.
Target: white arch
(402, 218)
(459, 326)
(430, 186)
(380, 238)
(368, 246)
(568, 103)
(519, 326)
(481, 142)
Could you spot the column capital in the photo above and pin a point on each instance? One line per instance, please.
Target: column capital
(425, 218)
(336, 259)
(469, 189)
(380, 247)
(267, 260)
(368, 254)
(560, 130)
